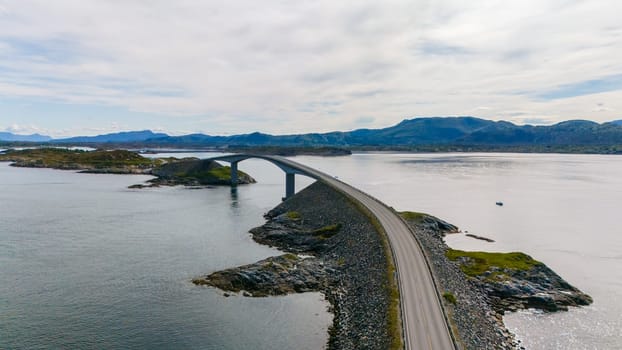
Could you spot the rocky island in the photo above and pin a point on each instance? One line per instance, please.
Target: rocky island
(479, 287)
(515, 281)
(167, 171)
(194, 172)
(100, 161)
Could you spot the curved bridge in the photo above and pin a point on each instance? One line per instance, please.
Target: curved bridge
(290, 168)
(423, 318)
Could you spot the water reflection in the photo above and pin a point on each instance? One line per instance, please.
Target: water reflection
(458, 163)
(234, 197)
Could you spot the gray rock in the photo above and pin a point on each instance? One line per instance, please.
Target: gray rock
(347, 264)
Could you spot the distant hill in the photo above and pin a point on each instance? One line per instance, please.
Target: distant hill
(426, 131)
(573, 132)
(7, 136)
(120, 137)
(413, 131)
(421, 131)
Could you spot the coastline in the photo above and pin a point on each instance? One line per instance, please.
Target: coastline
(333, 248)
(477, 301)
(170, 171)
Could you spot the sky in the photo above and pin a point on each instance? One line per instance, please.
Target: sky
(89, 67)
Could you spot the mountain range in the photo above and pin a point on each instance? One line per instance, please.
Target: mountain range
(120, 137)
(426, 131)
(7, 136)
(408, 133)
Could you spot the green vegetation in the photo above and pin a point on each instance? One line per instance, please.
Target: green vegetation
(222, 174)
(170, 171)
(480, 262)
(192, 171)
(290, 256)
(327, 231)
(293, 215)
(413, 216)
(61, 158)
(450, 297)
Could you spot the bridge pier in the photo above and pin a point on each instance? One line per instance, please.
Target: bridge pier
(234, 174)
(290, 184)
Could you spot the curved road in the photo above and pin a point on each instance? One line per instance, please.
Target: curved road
(423, 318)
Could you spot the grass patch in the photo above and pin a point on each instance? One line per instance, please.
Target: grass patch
(327, 231)
(290, 256)
(223, 173)
(480, 262)
(413, 216)
(450, 297)
(293, 215)
(202, 171)
(61, 158)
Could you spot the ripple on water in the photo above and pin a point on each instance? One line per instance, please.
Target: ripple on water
(578, 329)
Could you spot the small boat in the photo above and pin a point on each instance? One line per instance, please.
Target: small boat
(499, 204)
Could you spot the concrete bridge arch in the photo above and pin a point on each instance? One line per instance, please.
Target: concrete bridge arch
(289, 169)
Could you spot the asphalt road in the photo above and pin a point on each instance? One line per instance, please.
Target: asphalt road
(423, 318)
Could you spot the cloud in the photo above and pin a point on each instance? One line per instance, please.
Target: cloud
(22, 129)
(214, 65)
(441, 49)
(537, 121)
(361, 121)
(588, 87)
(600, 107)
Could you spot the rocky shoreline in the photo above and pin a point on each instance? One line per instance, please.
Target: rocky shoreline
(332, 248)
(167, 171)
(473, 321)
(515, 281)
(477, 299)
(193, 172)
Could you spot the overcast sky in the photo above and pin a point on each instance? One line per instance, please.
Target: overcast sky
(70, 67)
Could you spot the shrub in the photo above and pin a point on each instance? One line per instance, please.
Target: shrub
(450, 297)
